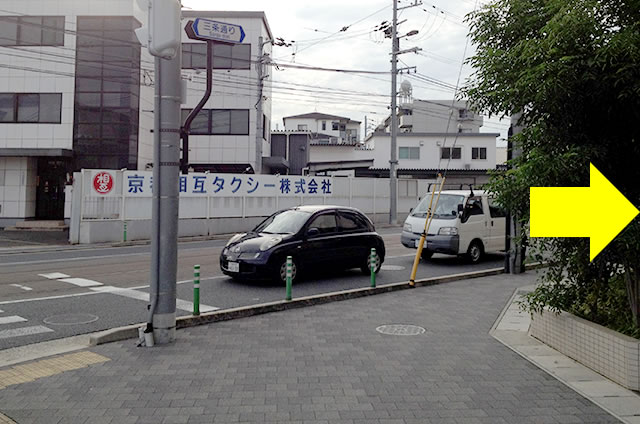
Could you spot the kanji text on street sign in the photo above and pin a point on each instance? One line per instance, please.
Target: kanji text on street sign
(210, 30)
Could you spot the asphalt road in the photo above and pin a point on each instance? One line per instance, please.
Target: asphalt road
(56, 294)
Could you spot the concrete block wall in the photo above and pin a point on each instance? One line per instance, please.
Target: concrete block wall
(607, 352)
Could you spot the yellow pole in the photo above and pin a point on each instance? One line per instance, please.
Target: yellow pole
(423, 236)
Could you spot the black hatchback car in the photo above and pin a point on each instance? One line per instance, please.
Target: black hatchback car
(327, 237)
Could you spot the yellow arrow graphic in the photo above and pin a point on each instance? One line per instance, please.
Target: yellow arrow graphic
(599, 212)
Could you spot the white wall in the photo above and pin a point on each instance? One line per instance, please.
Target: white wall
(17, 187)
(430, 150)
(331, 153)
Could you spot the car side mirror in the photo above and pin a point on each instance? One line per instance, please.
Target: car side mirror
(460, 207)
(312, 232)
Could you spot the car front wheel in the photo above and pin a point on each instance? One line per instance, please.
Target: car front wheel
(281, 270)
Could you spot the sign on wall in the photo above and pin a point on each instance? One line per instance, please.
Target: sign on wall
(102, 182)
(140, 184)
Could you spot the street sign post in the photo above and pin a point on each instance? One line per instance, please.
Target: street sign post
(210, 30)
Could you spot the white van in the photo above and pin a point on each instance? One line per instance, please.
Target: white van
(465, 222)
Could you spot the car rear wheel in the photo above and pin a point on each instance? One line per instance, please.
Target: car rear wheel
(475, 252)
(366, 264)
(281, 270)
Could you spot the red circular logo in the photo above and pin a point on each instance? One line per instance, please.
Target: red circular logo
(103, 182)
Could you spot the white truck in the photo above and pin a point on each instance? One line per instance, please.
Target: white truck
(465, 222)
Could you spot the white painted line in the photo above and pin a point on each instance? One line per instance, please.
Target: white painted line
(188, 306)
(22, 287)
(11, 319)
(399, 256)
(134, 294)
(81, 282)
(25, 331)
(64, 296)
(54, 275)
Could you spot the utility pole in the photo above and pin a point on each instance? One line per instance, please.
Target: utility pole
(515, 243)
(259, 122)
(393, 162)
(163, 38)
(393, 185)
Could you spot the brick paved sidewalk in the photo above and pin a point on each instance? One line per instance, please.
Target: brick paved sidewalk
(323, 364)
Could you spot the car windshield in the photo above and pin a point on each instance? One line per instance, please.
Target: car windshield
(285, 222)
(447, 207)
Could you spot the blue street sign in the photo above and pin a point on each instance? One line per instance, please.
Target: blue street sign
(206, 29)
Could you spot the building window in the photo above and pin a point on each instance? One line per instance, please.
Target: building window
(464, 130)
(219, 122)
(450, 152)
(27, 108)
(478, 153)
(31, 30)
(107, 93)
(324, 125)
(302, 127)
(334, 126)
(225, 56)
(465, 114)
(409, 153)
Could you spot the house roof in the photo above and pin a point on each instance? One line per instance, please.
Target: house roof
(318, 115)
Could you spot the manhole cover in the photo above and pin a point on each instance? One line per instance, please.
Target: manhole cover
(392, 267)
(400, 330)
(70, 319)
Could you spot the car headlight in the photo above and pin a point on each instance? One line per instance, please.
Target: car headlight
(407, 227)
(250, 255)
(448, 231)
(234, 239)
(270, 243)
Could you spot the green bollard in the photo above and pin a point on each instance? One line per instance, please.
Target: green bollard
(373, 265)
(289, 275)
(124, 236)
(196, 290)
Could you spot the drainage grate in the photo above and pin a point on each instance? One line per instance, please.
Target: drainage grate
(400, 330)
(70, 319)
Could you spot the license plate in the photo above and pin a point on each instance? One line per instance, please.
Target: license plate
(233, 266)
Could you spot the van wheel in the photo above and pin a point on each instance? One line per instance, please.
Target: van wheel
(475, 252)
(427, 254)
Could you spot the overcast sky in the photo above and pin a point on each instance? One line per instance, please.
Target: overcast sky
(315, 28)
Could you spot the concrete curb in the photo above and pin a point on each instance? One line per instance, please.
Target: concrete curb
(131, 331)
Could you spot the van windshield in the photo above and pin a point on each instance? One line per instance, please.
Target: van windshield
(447, 207)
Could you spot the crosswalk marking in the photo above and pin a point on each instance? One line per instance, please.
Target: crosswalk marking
(54, 275)
(81, 282)
(25, 331)
(11, 319)
(134, 294)
(22, 287)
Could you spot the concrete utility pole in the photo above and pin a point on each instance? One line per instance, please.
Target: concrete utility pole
(259, 123)
(393, 162)
(393, 184)
(515, 244)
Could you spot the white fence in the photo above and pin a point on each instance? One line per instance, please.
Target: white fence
(104, 206)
